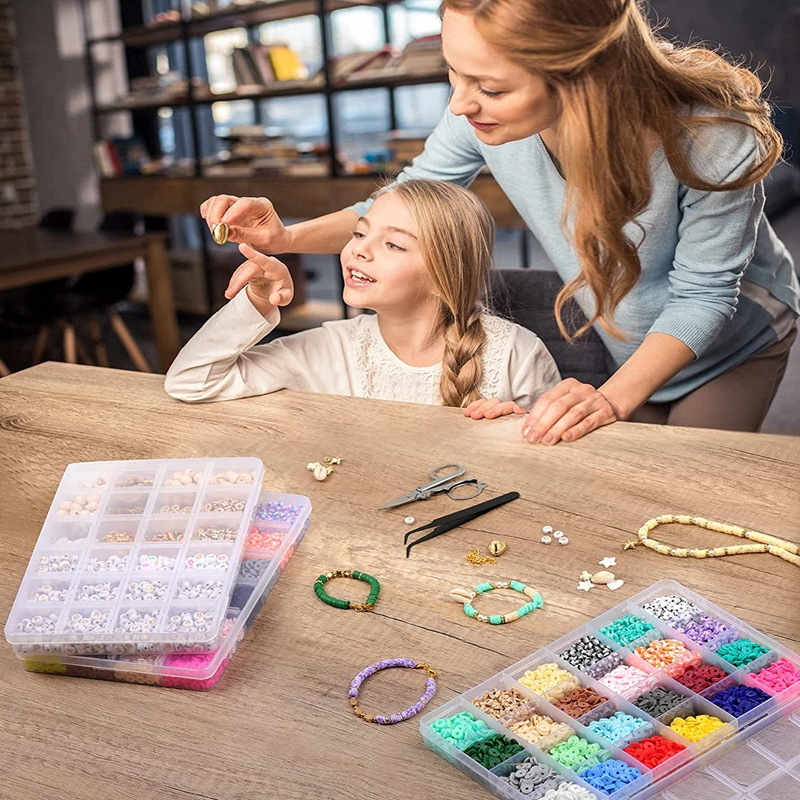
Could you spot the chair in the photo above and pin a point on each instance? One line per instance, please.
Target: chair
(90, 296)
(527, 297)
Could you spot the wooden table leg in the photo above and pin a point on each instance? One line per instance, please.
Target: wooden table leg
(162, 307)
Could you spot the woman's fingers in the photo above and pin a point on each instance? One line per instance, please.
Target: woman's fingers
(571, 406)
(588, 424)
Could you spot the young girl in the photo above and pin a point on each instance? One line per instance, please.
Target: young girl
(420, 259)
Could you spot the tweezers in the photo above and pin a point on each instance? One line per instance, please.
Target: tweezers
(447, 523)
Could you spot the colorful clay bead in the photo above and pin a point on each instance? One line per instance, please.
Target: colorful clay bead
(618, 726)
(670, 607)
(704, 629)
(624, 680)
(498, 702)
(493, 750)
(586, 651)
(658, 701)
(579, 701)
(548, 676)
(610, 776)
(626, 629)
(574, 751)
(742, 652)
(777, 676)
(738, 700)
(462, 729)
(653, 750)
(696, 728)
(699, 677)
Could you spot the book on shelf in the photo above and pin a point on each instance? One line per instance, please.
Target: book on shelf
(421, 56)
(258, 65)
(286, 63)
(121, 156)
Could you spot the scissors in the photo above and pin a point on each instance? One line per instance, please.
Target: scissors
(441, 483)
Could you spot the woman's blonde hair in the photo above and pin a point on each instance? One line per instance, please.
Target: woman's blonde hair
(456, 235)
(614, 78)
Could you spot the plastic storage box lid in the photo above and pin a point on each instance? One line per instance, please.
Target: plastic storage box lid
(136, 556)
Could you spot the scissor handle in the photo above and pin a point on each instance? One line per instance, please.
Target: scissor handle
(475, 487)
(438, 479)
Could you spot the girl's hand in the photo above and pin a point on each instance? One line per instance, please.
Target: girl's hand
(249, 219)
(566, 412)
(268, 281)
(491, 409)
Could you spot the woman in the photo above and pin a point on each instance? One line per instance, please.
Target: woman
(638, 166)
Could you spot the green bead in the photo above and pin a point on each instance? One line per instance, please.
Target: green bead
(496, 619)
(517, 586)
(469, 610)
(484, 587)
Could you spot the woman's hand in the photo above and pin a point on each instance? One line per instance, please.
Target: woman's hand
(249, 219)
(491, 409)
(268, 281)
(566, 412)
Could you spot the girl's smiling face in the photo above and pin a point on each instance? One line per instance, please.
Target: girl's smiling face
(383, 264)
(500, 99)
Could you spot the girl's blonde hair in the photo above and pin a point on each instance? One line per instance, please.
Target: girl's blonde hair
(456, 235)
(614, 78)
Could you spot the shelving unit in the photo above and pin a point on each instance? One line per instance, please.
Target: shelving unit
(180, 44)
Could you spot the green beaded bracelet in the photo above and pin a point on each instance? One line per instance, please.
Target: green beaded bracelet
(466, 597)
(375, 588)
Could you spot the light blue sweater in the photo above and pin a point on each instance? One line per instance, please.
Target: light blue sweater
(714, 274)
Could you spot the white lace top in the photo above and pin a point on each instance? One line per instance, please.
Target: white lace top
(348, 357)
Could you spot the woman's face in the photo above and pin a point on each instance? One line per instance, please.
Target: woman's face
(500, 99)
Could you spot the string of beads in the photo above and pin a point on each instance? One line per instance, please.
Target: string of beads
(765, 543)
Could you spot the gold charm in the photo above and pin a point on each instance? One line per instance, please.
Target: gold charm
(333, 460)
(475, 558)
(630, 545)
(219, 233)
(496, 547)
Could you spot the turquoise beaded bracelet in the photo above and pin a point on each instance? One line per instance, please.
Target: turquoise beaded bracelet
(466, 597)
(375, 588)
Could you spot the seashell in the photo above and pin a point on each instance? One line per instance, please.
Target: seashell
(586, 576)
(602, 577)
(219, 233)
(321, 472)
(461, 595)
(496, 547)
(614, 585)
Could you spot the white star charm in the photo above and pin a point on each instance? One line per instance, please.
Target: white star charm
(608, 561)
(584, 586)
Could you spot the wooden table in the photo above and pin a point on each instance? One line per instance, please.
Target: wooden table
(33, 255)
(278, 724)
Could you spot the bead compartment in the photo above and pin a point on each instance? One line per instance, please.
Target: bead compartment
(734, 729)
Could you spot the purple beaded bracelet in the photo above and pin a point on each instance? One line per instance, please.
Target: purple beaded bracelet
(411, 711)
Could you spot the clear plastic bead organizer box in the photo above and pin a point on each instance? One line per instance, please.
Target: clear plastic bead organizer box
(276, 529)
(136, 556)
(687, 702)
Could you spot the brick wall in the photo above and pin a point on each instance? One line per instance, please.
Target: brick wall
(19, 203)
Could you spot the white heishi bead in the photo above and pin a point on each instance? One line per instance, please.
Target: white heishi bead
(546, 539)
(547, 529)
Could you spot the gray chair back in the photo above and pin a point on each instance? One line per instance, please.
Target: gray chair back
(527, 296)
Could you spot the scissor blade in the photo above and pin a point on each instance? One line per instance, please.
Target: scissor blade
(401, 501)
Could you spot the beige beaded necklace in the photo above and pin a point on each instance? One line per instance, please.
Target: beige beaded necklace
(767, 544)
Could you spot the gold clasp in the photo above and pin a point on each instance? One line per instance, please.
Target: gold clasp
(427, 667)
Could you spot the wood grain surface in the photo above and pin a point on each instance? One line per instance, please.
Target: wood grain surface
(278, 724)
